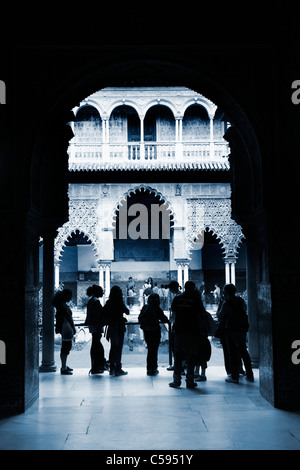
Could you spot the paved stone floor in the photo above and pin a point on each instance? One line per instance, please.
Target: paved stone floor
(138, 412)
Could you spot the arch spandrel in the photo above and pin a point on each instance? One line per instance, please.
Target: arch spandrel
(82, 217)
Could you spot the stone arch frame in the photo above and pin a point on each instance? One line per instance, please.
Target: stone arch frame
(193, 77)
(92, 104)
(208, 105)
(127, 102)
(160, 102)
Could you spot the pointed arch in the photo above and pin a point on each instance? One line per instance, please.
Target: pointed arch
(151, 190)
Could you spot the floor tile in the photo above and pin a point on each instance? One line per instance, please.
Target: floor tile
(141, 412)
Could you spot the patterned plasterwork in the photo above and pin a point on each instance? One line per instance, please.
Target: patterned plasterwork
(215, 215)
(82, 217)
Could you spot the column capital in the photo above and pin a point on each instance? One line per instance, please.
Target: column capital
(230, 259)
(182, 262)
(104, 264)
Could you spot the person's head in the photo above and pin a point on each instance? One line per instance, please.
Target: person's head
(97, 290)
(153, 299)
(229, 291)
(58, 299)
(174, 287)
(189, 287)
(67, 295)
(116, 293)
(89, 291)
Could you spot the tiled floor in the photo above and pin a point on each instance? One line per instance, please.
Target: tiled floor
(139, 412)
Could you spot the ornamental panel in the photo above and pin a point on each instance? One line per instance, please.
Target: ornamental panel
(82, 217)
(215, 215)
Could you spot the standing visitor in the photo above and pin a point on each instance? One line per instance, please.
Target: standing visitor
(174, 290)
(94, 321)
(113, 313)
(65, 326)
(233, 321)
(189, 332)
(149, 318)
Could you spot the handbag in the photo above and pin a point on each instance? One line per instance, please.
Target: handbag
(209, 322)
(66, 330)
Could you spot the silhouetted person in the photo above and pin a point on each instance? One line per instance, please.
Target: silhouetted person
(65, 326)
(113, 313)
(94, 320)
(233, 320)
(188, 332)
(173, 292)
(149, 318)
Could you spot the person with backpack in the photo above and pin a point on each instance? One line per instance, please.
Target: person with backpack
(149, 318)
(233, 321)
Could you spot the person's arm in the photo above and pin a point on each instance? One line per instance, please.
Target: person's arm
(125, 310)
(162, 317)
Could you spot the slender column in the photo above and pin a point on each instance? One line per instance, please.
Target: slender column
(142, 144)
(107, 279)
(101, 278)
(107, 130)
(56, 282)
(48, 363)
(211, 138)
(103, 131)
(178, 139)
(186, 273)
(227, 273)
(232, 273)
(179, 274)
(180, 130)
(105, 136)
(230, 270)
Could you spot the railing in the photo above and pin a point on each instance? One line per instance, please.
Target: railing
(91, 156)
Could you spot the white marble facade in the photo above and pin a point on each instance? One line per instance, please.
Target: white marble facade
(150, 128)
